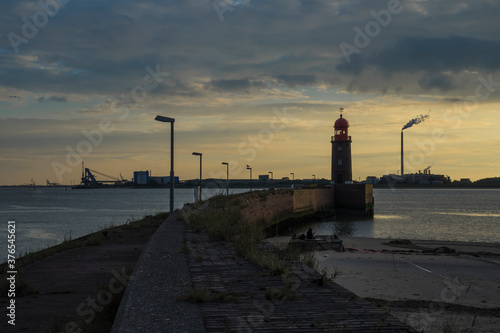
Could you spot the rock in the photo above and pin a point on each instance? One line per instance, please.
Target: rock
(400, 242)
(443, 249)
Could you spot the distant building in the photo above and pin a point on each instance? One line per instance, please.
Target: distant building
(163, 180)
(263, 178)
(426, 178)
(372, 180)
(465, 181)
(141, 177)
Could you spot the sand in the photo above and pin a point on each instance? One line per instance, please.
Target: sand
(422, 288)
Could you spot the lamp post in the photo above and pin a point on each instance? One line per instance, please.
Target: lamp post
(227, 175)
(171, 121)
(249, 168)
(314, 177)
(293, 176)
(272, 175)
(201, 157)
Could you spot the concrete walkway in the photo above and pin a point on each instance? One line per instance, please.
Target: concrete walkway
(150, 301)
(239, 296)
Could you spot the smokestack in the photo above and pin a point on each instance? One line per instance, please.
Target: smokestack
(402, 157)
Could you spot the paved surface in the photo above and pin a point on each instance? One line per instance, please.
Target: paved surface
(150, 301)
(238, 295)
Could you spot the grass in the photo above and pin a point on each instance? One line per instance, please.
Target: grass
(453, 325)
(103, 320)
(222, 221)
(93, 239)
(227, 225)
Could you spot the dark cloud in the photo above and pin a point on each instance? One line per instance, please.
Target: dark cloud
(455, 53)
(436, 81)
(58, 99)
(295, 80)
(103, 47)
(240, 85)
(429, 54)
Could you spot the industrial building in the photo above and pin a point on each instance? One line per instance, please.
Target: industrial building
(141, 177)
(144, 178)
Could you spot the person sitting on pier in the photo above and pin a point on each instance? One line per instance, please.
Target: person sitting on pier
(310, 234)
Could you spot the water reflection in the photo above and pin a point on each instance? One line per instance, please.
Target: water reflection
(341, 227)
(434, 214)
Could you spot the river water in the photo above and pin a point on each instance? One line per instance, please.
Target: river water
(471, 215)
(46, 216)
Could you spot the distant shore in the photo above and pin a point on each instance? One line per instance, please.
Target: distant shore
(266, 185)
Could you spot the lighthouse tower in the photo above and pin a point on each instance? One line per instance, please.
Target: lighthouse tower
(341, 152)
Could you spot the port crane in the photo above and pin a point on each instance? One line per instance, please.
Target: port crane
(52, 184)
(89, 178)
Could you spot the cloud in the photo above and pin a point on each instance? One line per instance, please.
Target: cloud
(432, 54)
(429, 54)
(106, 45)
(436, 81)
(58, 99)
(264, 54)
(239, 85)
(295, 80)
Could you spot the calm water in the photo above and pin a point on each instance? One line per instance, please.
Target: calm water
(46, 216)
(471, 215)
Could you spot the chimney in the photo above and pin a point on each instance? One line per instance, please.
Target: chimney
(402, 157)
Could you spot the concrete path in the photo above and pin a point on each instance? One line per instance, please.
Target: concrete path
(238, 295)
(150, 301)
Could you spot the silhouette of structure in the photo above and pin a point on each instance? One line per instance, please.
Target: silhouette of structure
(341, 152)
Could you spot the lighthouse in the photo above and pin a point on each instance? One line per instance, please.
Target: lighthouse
(341, 152)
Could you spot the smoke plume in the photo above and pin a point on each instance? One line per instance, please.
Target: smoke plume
(415, 121)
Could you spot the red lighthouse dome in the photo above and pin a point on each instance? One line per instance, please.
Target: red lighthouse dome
(341, 126)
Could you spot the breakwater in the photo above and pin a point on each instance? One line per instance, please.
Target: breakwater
(273, 206)
(180, 264)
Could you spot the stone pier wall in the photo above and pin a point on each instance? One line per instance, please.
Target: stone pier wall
(268, 207)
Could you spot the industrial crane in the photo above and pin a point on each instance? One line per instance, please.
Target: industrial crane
(89, 178)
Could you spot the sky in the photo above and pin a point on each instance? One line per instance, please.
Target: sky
(248, 82)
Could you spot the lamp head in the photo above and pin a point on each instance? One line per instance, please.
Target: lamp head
(164, 119)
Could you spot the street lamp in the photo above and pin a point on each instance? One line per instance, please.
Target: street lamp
(293, 176)
(201, 157)
(227, 175)
(249, 168)
(171, 121)
(272, 175)
(314, 177)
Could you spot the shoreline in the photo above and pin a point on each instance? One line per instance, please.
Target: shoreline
(422, 283)
(422, 288)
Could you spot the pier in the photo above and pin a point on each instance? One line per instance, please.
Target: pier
(228, 293)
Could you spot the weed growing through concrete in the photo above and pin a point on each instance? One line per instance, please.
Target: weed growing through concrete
(206, 295)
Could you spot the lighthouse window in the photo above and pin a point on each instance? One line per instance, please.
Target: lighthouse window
(339, 148)
(340, 161)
